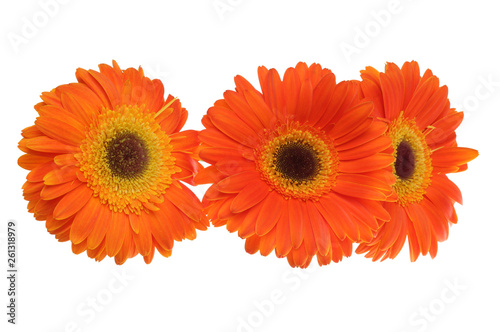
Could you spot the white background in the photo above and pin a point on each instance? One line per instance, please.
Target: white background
(211, 284)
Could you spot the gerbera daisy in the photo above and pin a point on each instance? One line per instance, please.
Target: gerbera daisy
(105, 158)
(297, 168)
(422, 129)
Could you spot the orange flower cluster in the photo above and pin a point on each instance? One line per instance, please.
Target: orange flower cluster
(305, 167)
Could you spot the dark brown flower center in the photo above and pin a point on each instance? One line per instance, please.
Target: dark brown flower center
(127, 155)
(405, 161)
(297, 161)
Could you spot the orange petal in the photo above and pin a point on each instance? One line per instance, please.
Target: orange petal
(29, 162)
(134, 220)
(422, 95)
(52, 192)
(443, 128)
(309, 238)
(319, 228)
(365, 150)
(124, 252)
(447, 187)
(332, 216)
(240, 107)
(421, 225)
(283, 239)
(269, 214)
(296, 218)
(236, 183)
(208, 175)
(116, 232)
(143, 239)
(252, 244)
(176, 222)
(60, 130)
(160, 231)
(234, 166)
(268, 242)
(352, 119)
(60, 175)
(235, 222)
(185, 141)
(453, 156)
(85, 220)
(31, 131)
(338, 101)
(84, 76)
(413, 243)
(366, 164)
(390, 231)
(107, 86)
(392, 85)
(291, 82)
(38, 173)
(411, 74)
(249, 196)
(323, 93)
(435, 108)
(371, 132)
(65, 160)
(72, 202)
(96, 237)
(228, 123)
(247, 227)
(438, 222)
(214, 155)
(46, 144)
(272, 89)
(359, 190)
(213, 137)
(185, 200)
(259, 106)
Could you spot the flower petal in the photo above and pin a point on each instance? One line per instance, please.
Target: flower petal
(72, 202)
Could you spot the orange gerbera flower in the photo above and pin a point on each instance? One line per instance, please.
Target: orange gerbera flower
(297, 168)
(105, 157)
(422, 129)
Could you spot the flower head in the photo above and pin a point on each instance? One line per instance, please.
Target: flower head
(297, 168)
(105, 157)
(422, 129)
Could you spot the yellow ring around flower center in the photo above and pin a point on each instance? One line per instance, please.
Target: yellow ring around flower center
(413, 165)
(297, 161)
(126, 158)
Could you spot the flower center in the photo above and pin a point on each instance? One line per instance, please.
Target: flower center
(412, 165)
(126, 159)
(127, 155)
(405, 161)
(297, 161)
